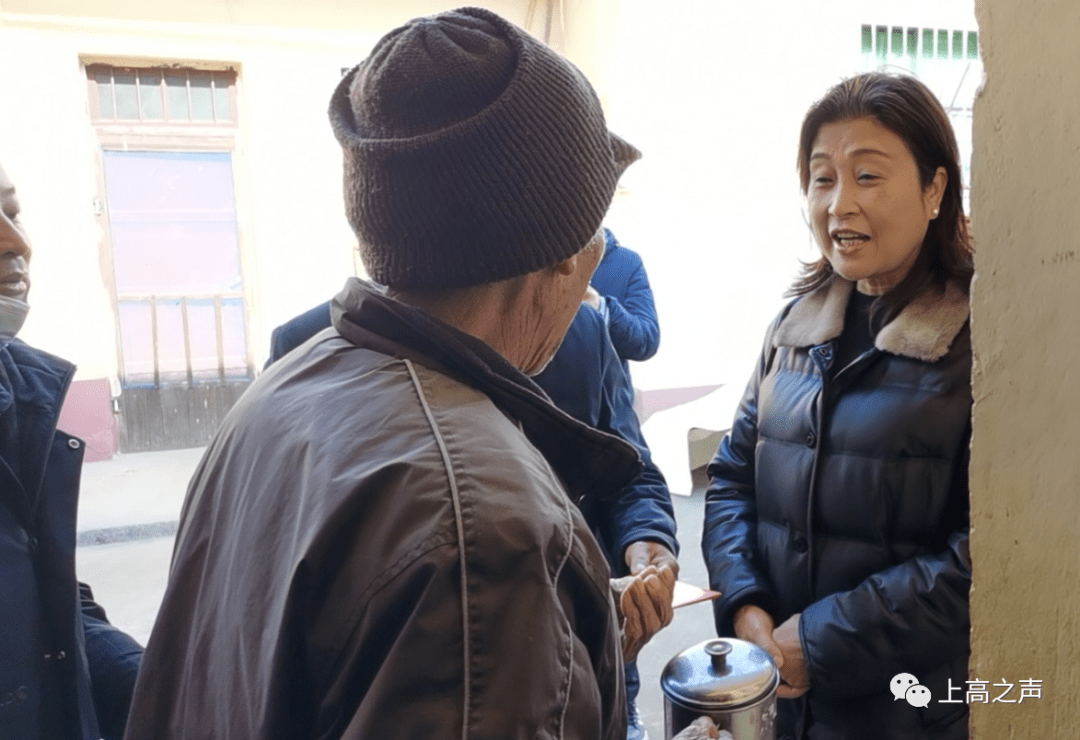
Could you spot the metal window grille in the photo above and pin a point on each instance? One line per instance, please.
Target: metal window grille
(896, 42)
(161, 95)
(947, 60)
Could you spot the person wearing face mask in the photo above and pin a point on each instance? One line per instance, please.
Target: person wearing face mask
(65, 672)
(836, 522)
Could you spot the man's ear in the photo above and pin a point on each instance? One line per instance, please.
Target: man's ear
(568, 266)
(572, 264)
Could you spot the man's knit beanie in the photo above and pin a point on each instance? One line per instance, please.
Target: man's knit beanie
(473, 153)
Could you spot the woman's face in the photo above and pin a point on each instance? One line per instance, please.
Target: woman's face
(868, 210)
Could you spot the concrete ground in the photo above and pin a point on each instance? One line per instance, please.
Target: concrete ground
(127, 514)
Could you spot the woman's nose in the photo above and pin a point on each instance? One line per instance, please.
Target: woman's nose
(843, 202)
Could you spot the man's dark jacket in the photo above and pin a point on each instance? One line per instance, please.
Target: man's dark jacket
(64, 670)
(842, 494)
(381, 541)
(586, 380)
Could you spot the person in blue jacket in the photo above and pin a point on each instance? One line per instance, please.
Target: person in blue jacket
(65, 672)
(620, 291)
(586, 380)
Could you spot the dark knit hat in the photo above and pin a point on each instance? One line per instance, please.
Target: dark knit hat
(473, 153)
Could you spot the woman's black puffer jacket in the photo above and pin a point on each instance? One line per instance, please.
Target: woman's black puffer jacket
(842, 495)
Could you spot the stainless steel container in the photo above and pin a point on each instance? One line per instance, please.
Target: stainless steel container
(730, 680)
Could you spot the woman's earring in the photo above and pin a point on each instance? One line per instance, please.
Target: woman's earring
(934, 213)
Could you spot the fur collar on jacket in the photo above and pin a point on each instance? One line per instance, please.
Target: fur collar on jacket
(923, 330)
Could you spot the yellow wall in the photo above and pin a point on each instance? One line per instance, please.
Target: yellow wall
(1025, 470)
(296, 247)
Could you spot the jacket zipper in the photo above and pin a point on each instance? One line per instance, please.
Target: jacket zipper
(822, 356)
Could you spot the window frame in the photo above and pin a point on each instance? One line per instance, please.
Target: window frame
(165, 135)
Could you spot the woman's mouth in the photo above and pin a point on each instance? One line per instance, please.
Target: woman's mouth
(848, 241)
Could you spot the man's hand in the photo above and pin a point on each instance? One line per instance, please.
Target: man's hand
(640, 555)
(644, 602)
(702, 728)
(753, 624)
(796, 681)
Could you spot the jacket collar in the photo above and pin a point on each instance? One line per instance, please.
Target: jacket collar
(35, 382)
(923, 330)
(588, 461)
(33, 378)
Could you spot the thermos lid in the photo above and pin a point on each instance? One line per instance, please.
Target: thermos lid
(720, 674)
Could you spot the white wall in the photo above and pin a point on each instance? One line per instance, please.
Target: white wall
(714, 93)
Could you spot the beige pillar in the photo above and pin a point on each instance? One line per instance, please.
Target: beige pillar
(1025, 468)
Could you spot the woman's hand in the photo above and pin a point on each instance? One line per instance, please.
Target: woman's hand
(753, 624)
(796, 681)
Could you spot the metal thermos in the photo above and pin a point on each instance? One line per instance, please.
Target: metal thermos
(730, 680)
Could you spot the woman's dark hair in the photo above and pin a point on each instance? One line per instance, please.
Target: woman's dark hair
(906, 107)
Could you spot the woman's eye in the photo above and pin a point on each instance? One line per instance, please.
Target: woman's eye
(867, 176)
(822, 180)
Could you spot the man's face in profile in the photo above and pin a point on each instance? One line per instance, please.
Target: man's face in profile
(14, 246)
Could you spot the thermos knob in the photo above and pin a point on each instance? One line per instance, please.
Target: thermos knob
(718, 650)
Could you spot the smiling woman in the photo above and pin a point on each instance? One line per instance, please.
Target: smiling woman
(836, 520)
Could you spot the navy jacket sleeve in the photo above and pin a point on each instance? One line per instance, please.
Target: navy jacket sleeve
(113, 658)
(586, 380)
(296, 331)
(642, 510)
(632, 322)
(729, 540)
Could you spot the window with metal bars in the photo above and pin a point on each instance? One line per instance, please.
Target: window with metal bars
(161, 95)
(946, 60)
(896, 43)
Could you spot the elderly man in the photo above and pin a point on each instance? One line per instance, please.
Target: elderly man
(382, 541)
(65, 672)
(585, 378)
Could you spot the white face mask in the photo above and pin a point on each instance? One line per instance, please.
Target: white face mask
(12, 315)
